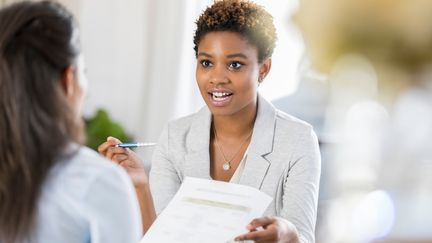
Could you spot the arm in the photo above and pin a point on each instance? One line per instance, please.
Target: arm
(134, 167)
(163, 183)
(300, 200)
(164, 177)
(145, 199)
(296, 222)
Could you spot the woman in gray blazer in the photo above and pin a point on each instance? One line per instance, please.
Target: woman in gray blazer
(238, 137)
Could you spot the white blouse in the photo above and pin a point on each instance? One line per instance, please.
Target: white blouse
(239, 171)
(86, 198)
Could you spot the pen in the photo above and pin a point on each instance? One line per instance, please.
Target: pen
(135, 145)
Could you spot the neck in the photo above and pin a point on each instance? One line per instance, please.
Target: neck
(237, 125)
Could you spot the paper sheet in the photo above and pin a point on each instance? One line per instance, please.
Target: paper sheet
(207, 211)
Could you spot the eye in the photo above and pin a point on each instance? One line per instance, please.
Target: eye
(205, 63)
(235, 65)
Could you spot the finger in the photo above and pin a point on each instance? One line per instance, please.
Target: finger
(102, 149)
(119, 157)
(132, 162)
(126, 164)
(257, 236)
(115, 150)
(113, 139)
(260, 222)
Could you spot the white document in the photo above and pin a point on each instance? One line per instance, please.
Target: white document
(207, 211)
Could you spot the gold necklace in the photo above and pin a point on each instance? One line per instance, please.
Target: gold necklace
(227, 162)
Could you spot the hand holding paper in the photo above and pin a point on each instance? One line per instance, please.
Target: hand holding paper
(207, 211)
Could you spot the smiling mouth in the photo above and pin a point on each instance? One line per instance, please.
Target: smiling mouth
(220, 96)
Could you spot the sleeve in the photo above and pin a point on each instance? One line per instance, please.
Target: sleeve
(301, 187)
(164, 179)
(112, 208)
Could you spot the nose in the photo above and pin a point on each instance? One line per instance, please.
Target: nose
(218, 75)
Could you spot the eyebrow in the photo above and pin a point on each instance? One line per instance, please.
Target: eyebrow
(204, 54)
(239, 55)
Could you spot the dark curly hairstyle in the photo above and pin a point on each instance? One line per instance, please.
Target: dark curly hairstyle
(248, 19)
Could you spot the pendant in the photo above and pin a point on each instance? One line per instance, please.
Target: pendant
(226, 166)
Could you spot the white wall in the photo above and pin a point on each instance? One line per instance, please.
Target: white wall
(113, 39)
(140, 61)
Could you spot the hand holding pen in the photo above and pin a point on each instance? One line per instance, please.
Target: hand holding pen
(118, 152)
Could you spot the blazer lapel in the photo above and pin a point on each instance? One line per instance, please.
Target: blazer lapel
(257, 165)
(197, 160)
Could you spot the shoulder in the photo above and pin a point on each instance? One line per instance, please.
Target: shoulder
(284, 124)
(91, 164)
(84, 168)
(267, 114)
(84, 191)
(293, 124)
(186, 131)
(294, 133)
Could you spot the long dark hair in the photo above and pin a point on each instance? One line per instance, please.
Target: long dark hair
(38, 41)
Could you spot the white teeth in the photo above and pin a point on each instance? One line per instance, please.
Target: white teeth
(220, 96)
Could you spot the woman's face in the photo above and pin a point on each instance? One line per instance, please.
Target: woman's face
(80, 89)
(227, 73)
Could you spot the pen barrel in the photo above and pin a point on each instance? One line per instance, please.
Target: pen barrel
(135, 145)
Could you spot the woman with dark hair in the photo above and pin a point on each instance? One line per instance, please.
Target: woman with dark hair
(52, 189)
(238, 137)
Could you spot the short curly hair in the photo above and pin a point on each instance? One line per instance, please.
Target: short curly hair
(246, 18)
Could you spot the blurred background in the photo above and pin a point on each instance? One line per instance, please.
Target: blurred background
(141, 64)
(370, 101)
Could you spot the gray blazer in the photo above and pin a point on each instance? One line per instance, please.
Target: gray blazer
(283, 161)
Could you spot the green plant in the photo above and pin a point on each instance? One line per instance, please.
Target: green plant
(100, 126)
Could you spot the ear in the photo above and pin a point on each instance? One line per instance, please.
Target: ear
(265, 67)
(68, 81)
